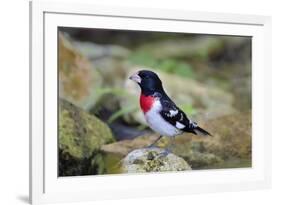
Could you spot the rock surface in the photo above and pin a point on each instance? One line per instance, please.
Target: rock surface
(109, 60)
(79, 80)
(80, 137)
(152, 160)
(231, 141)
(122, 148)
(232, 136)
(95, 51)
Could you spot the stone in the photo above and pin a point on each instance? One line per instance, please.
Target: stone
(109, 60)
(78, 79)
(80, 137)
(122, 148)
(232, 136)
(230, 145)
(196, 159)
(152, 160)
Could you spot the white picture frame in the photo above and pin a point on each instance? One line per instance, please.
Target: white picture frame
(46, 186)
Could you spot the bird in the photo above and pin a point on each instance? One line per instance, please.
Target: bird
(162, 115)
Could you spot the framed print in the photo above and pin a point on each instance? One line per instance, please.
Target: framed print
(130, 102)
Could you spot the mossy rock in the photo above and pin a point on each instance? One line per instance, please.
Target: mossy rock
(80, 137)
(152, 160)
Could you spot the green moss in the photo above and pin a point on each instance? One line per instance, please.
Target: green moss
(81, 134)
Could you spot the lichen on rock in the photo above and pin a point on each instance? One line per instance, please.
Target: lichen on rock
(152, 160)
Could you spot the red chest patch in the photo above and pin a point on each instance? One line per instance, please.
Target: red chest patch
(146, 102)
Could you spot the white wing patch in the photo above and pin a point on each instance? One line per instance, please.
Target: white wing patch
(180, 125)
(173, 113)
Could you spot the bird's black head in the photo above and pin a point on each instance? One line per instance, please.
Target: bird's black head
(148, 81)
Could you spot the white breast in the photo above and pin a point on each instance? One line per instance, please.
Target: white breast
(158, 124)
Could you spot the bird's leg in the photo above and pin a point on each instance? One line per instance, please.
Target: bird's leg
(172, 144)
(152, 144)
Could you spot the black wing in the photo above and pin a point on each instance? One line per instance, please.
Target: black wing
(175, 116)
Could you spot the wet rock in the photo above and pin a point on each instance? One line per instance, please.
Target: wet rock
(80, 137)
(152, 160)
(78, 79)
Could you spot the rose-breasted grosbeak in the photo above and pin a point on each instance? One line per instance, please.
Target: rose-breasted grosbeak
(160, 112)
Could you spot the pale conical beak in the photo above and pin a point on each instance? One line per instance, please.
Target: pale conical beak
(135, 77)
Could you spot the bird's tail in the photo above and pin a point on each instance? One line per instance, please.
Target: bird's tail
(200, 131)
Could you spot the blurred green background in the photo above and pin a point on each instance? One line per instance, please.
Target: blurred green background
(208, 76)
